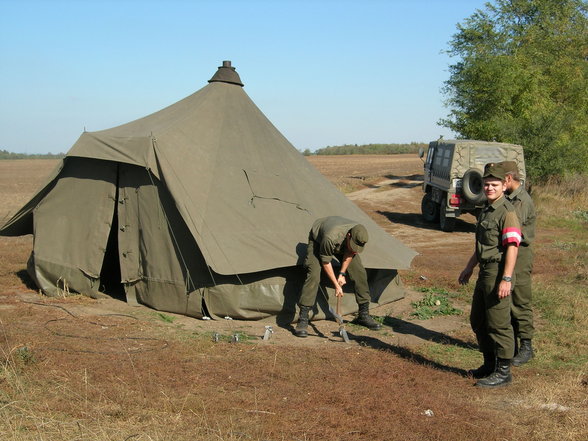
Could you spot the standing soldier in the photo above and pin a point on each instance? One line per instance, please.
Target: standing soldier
(498, 235)
(340, 238)
(522, 312)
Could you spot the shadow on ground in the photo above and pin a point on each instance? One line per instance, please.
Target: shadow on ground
(26, 279)
(399, 327)
(415, 220)
(406, 354)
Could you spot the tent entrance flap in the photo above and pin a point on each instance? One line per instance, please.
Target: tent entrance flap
(110, 277)
(71, 227)
(161, 265)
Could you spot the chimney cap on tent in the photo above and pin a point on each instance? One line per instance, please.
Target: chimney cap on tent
(226, 74)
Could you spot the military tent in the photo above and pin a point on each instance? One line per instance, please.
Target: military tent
(202, 208)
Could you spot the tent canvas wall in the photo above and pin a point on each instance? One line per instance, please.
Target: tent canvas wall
(200, 208)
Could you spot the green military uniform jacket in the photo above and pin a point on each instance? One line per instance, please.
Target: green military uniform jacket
(326, 241)
(522, 311)
(498, 226)
(330, 233)
(525, 209)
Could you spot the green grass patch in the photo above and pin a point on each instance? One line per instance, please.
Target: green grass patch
(164, 317)
(571, 222)
(451, 355)
(562, 338)
(435, 302)
(582, 215)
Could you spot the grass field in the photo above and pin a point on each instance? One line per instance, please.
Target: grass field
(70, 372)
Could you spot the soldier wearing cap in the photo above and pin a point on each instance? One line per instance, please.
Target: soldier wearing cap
(498, 235)
(522, 311)
(343, 239)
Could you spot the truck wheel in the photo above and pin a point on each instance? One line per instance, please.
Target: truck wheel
(473, 186)
(447, 224)
(429, 208)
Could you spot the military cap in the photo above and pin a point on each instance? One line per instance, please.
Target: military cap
(495, 170)
(359, 237)
(509, 167)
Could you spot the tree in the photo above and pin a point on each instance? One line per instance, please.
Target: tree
(522, 77)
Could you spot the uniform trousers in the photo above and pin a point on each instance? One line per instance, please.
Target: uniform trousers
(522, 311)
(312, 265)
(490, 316)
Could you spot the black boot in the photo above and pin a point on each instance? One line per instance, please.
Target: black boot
(500, 377)
(525, 353)
(301, 327)
(487, 368)
(365, 319)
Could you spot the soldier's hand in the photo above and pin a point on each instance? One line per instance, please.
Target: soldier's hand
(338, 291)
(341, 280)
(464, 277)
(504, 289)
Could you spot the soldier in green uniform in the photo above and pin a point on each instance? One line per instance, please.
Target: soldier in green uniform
(343, 239)
(522, 311)
(498, 236)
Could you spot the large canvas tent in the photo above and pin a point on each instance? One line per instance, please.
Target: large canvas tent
(202, 208)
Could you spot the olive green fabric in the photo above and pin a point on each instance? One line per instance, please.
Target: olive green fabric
(330, 233)
(71, 224)
(522, 295)
(356, 274)
(207, 191)
(490, 316)
(492, 221)
(523, 204)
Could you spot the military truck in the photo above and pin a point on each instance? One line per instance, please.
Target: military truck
(453, 177)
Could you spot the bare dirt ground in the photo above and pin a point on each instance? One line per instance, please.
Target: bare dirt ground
(84, 369)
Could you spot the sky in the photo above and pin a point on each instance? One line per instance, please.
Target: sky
(325, 72)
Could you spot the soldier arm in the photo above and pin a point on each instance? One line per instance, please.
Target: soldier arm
(528, 220)
(328, 269)
(511, 239)
(326, 250)
(467, 272)
(510, 259)
(347, 257)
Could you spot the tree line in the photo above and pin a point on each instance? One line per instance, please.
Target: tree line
(368, 149)
(5, 154)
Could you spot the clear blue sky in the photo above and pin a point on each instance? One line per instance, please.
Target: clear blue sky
(324, 72)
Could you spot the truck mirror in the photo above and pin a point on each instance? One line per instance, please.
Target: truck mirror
(421, 152)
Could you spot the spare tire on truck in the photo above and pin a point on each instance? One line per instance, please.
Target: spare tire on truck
(473, 186)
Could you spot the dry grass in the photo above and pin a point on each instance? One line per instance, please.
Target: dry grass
(139, 379)
(199, 390)
(19, 180)
(563, 200)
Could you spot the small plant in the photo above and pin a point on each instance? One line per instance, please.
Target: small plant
(25, 355)
(434, 303)
(581, 214)
(379, 318)
(166, 318)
